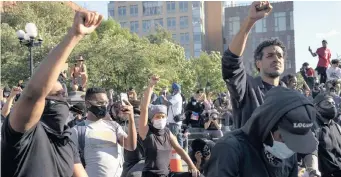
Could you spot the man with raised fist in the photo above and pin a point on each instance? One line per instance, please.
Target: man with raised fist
(35, 140)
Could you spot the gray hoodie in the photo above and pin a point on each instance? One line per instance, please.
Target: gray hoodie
(240, 153)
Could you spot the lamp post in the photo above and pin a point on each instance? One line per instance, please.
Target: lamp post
(28, 39)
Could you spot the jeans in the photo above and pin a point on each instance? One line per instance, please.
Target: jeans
(176, 131)
(322, 71)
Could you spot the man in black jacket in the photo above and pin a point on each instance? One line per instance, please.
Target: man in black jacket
(267, 144)
(328, 133)
(247, 92)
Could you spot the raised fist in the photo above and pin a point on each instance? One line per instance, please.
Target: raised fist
(259, 10)
(85, 22)
(154, 80)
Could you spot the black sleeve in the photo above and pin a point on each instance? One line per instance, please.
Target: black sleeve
(234, 75)
(294, 170)
(225, 159)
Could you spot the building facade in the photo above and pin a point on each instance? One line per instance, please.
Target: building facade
(279, 24)
(184, 19)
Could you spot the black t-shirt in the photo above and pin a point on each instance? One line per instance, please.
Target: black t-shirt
(37, 152)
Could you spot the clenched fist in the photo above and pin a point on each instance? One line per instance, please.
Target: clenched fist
(85, 22)
(259, 10)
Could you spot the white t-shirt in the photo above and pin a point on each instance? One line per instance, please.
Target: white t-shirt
(175, 107)
(102, 153)
(333, 73)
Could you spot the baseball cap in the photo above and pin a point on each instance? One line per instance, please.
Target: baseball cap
(325, 41)
(78, 108)
(80, 58)
(176, 86)
(295, 129)
(202, 146)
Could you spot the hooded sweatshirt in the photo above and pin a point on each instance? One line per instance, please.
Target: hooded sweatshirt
(240, 153)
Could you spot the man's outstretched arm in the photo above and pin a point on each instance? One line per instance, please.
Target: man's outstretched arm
(28, 110)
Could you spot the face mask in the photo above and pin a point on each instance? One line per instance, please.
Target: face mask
(6, 94)
(194, 103)
(55, 114)
(98, 111)
(160, 124)
(279, 150)
(329, 113)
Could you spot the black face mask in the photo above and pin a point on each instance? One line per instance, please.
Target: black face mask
(55, 115)
(328, 113)
(99, 111)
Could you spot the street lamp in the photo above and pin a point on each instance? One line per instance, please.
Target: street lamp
(28, 39)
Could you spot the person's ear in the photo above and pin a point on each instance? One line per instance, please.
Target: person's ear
(258, 64)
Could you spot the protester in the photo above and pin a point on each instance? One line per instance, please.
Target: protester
(194, 110)
(200, 154)
(35, 140)
(334, 72)
(308, 74)
(6, 109)
(103, 137)
(266, 145)
(174, 110)
(290, 81)
(213, 124)
(132, 94)
(78, 114)
(158, 140)
(324, 55)
(328, 134)
(79, 75)
(247, 92)
(5, 94)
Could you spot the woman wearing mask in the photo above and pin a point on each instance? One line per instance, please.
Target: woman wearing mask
(158, 141)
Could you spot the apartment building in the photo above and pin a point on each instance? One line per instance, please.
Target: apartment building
(279, 24)
(184, 19)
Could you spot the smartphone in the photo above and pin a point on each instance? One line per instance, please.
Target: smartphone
(123, 96)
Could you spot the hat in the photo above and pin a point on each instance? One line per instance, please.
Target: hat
(154, 109)
(202, 146)
(320, 97)
(176, 86)
(7, 89)
(296, 130)
(78, 108)
(80, 58)
(325, 41)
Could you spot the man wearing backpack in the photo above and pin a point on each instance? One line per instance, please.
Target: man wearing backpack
(99, 138)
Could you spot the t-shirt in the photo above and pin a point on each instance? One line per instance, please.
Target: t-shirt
(324, 55)
(102, 153)
(175, 108)
(37, 152)
(333, 73)
(310, 72)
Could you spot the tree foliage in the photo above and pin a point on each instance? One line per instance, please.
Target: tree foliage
(115, 58)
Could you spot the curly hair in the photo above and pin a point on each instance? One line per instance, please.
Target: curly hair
(258, 53)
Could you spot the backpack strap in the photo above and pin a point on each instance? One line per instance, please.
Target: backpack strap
(81, 129)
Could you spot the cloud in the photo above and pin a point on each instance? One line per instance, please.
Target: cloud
(331, 33)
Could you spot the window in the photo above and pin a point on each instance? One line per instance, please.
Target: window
(187, 52)
(291, 20)
(183, 22)
(170, 6)
(197, 53)
(261, 26)
(146, 25)
(288, 42)
(174, 37)
(195, 4)
(280, 22)
(123, 24)
(184, 38)
(287, 64)
(152, 8)
(134, 26)
(122, 11)
(158, 22)
(196, 20)
(134, 10)
(197, 37)
(171, 23)
(111, 13)
(183, 6)
(234, 25)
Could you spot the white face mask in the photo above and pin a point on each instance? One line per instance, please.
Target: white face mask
(279, 150)
(160, 123)
(194, 103)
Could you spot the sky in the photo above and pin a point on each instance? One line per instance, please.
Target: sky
(313, 22)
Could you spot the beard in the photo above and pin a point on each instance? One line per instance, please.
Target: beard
(273, 75)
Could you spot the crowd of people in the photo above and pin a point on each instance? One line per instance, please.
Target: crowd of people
(274, 127)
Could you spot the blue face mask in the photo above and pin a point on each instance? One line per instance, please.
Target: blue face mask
(279, 150)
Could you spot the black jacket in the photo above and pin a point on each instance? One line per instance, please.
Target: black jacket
(247, 93)
(240, 153)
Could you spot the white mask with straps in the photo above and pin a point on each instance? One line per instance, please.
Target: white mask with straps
(279, 150)
(160, 123)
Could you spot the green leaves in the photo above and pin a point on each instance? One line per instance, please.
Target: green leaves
(115, 58)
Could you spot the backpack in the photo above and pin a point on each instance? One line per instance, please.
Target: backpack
(81, 129)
